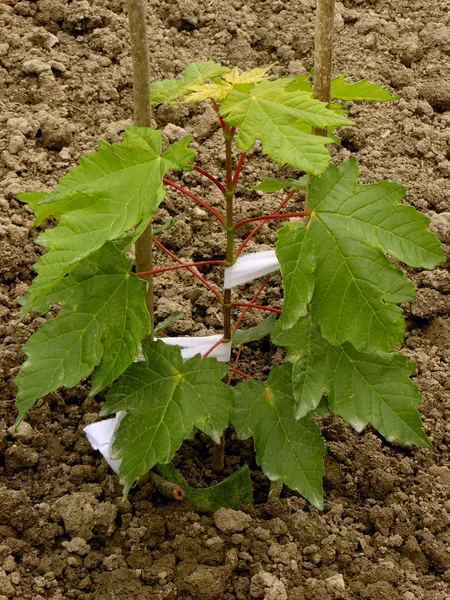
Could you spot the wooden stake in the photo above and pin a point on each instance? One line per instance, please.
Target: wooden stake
(142, 118)
(323, 53)
(167, 488)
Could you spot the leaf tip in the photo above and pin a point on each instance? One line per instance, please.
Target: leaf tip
(317, 502)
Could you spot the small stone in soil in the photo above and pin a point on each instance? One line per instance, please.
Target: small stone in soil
(18, 457)
(267, 586)
(231, 521)
(23, 433)
(208, 583)
(77, 546)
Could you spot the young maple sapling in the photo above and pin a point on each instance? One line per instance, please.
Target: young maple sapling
(340, 320)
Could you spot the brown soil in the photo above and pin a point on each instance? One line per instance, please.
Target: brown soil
(65, 81)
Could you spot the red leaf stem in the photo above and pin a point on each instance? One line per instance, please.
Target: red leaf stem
(208, 352)
(242, 374)
(252, 301)
(194, 273)
(239, 168)
(258, 306)
(216, 106)
(258, 227)
(181, 266)
(211, 178)
(194, 197)
(306, 213)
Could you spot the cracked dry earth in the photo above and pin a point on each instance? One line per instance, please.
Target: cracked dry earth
(65, 81)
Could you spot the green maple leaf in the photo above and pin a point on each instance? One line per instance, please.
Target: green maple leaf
(168, 224)
(167, 322)
(272, 184)
(165, 398)
(360, 90)
(101, 323)
(337, 267)
(311, 357)
(168, 90)
(301, 83)
(33, 199)
(232, 492)
(287, 449)
(109, 193)
(362, 388)
(296, 256)
(375, 388)
(254, 334)
(282, 120)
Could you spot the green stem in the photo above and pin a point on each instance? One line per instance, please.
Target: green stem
(229, 224)
(276, 487)
(142, 118)
(218, 459)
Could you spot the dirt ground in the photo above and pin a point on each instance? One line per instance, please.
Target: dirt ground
(65, 82)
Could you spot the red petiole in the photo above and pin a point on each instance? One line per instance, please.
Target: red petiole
(211, 178)
(181, 266)
(194, 273)
(258, 306)
(269, 217)
(258, 227)
(252, 301)
(208, 352)
(186, 192)
(223, 125)
(239, 168)
(242, 374)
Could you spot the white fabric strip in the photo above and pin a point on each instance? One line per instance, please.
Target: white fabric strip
(190, 346)
(101, 437)
(249, 267)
